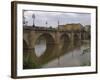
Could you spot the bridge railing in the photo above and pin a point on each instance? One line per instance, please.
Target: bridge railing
(48, 29)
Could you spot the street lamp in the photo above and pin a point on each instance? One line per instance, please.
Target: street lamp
(58, 24)
(33, 16)
(46, 23)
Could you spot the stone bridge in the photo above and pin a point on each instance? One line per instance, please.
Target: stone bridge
(31, 35)
(57, 42)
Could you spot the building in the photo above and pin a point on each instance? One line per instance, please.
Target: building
(75, 27)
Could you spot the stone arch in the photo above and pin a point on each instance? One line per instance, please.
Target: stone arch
(49, 53)
(76, 39)
(48, 37)
(50, 46)
(65, 41)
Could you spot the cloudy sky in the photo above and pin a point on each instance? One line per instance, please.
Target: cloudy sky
(47, 18)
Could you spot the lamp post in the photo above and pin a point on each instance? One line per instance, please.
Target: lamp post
(46, 23)
(58, 45)
(58, 24)
(33, 16)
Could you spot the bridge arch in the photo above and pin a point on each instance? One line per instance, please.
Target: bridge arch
(76, 39)
(65, 41)
(49, 43)
(48, 37)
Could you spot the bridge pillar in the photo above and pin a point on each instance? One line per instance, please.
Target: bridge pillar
(57, 37)
(72, 39)
(31, 39)
(77, 39)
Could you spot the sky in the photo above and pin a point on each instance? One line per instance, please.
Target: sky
(49, 18)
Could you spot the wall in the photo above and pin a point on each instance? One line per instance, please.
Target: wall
(5, 40)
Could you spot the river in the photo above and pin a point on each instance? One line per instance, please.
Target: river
(80, 56)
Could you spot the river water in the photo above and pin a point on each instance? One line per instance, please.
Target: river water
(80, 56)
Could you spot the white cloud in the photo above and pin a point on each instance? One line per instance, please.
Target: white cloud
(72, 14)
(52, 18)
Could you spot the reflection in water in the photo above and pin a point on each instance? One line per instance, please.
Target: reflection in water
(46, 55)
(71, 58)
(40, 47)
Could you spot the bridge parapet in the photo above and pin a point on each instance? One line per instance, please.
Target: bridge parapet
(31, 34)
(49, 29)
